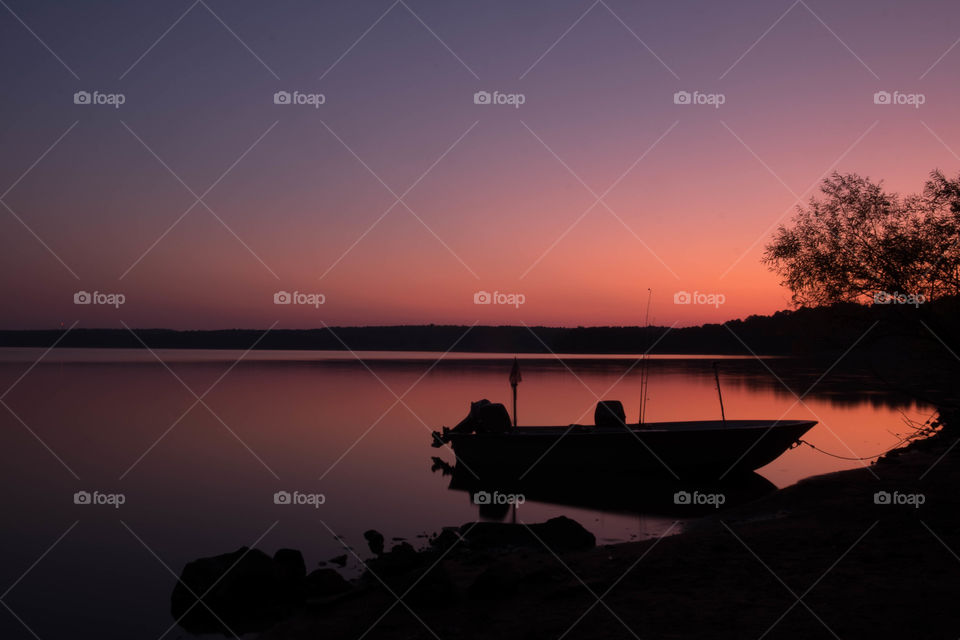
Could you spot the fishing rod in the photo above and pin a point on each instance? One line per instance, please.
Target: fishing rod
(716, 376)
(645, 367)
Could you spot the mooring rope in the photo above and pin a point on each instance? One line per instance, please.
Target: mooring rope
(833, 455)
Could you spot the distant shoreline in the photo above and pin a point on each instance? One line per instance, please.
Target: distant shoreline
(623, 341)
(806, 331)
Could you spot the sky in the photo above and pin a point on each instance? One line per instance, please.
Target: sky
(624, 147)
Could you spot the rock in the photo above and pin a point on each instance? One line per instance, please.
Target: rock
(401, 559)
(290, 563)
(403, 549)
(499, 580)
(374, 540)
(562, 533)
(431, 585)
(326, 582)
(246, 589)
(404, 570)
(290, 571)
(559, 534)
(446, 539)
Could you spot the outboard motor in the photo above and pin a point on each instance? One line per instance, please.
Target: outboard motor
(609, 413)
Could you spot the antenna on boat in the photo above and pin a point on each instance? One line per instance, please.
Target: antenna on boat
(716, 376)
(645, 369)
(515, 379)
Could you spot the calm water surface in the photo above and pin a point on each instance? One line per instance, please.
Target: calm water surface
(199, 477)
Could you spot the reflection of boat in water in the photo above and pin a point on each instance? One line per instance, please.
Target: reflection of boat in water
(486, 442)
(606, 491)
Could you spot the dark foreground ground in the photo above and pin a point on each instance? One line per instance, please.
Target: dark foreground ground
(817, 560)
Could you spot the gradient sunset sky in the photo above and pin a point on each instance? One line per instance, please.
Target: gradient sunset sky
(493, 197)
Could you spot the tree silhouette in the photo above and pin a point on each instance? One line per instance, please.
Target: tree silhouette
(859, 243)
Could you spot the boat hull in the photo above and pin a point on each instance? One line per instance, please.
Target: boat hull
(704, 449)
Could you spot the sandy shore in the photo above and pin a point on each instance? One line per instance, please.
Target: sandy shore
(819, 559)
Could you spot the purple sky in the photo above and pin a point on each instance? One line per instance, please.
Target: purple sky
(399, 199)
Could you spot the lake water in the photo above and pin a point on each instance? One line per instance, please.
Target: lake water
(199, 479)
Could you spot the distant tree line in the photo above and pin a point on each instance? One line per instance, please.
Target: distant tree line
(805, 331)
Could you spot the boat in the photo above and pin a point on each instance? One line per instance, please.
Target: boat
(487, 442)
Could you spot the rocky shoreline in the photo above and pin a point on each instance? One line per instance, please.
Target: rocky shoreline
(870, 552)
